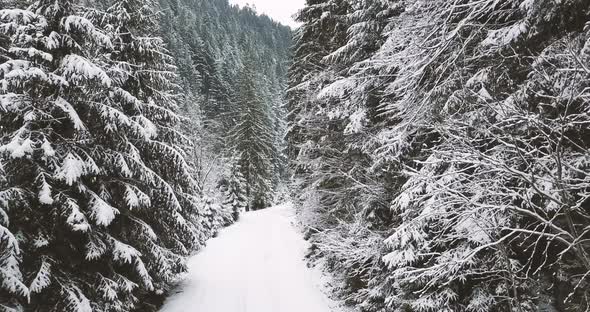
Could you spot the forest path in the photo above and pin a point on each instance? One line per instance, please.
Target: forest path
(256, 265)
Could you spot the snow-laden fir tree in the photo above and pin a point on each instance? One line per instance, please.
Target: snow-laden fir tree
(94, 190)
(214, 216)
(280, 171)
(235, 199)
(470, 119)
(320, 34)
(481, 204)
(333, 120)
(209, 40)
(253, 138)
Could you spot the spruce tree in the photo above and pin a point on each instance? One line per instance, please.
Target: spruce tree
(235, 191)
(463, 123)
(95, 193)
(211, 40)
(322, 32)
(253, 138)
(214, 216)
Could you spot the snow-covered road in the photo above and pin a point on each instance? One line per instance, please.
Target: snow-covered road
(256, 265)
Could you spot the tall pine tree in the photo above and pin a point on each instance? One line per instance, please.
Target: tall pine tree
(458, 181)
(96, 200)
(253, 137)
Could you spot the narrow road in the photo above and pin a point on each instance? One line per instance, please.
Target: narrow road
(256, 265)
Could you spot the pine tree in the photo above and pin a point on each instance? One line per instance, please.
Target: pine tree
(211, 40)
(453, 118)
(322, 32)
(253, 138)
(214, 216)
(333, 99)
(93, 181)
(235, 191)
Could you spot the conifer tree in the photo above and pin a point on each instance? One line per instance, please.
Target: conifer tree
(253, 138)
(215, 217)
(458, 124)
(235, 191)
(314, 133)
(211, 40)
(322, 32)
(92, 180)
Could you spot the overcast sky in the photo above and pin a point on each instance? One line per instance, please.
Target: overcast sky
(280, 10)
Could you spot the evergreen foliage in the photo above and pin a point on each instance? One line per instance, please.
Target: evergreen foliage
(109, 137)
(253, 138)
(214, 216)
(453, 151)
(212, 41)
(235, 191)
(97, 202)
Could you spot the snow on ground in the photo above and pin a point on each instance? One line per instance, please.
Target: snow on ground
(256, 265)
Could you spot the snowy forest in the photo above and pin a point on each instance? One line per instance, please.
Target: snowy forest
(436, 152)
(131, 131)
(440, 151)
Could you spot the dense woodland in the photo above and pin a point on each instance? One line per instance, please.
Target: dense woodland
(437, 151)
(231, 65)
(441, 151)
(130, 132)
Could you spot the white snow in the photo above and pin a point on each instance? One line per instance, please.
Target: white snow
(338, 89)
(131, 198)
(71, 170)
(256, 265)
(18, 147)
(102, 213)
(78, 68)
(42, 279)
(76, 299)
(76, 218)
(505, 36)
(149, 129)
(45, 194)
(357, 122)
(24, 16)
(31, 52)
(69, 110)
(126, 254)
(47, 148)
(74, 23)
